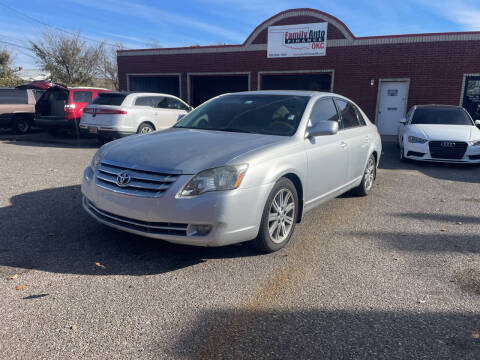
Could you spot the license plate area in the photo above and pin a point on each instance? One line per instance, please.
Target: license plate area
(92, 129)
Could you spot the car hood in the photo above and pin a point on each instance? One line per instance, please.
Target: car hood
(184, 151)
(445, 132)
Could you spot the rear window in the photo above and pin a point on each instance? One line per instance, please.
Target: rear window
(13, 96)
(441, 116)
(82, 96)
(109, 99)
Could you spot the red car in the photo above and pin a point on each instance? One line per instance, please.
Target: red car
(60, 108)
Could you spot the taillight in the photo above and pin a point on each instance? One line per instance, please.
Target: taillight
(69, 107)
(110, 111)
(96, 111)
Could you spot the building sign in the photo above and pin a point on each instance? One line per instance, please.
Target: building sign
(297, 40)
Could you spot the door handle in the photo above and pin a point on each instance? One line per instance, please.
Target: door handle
(367, 138)
(343, 144)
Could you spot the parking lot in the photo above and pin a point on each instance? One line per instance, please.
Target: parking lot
(392, 275)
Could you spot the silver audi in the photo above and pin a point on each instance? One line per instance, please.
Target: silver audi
(240, 167)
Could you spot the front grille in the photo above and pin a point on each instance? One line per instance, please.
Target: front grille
(454, 150)
(159, 228)
(142, 182)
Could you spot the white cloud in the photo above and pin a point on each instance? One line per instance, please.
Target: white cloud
(156, 16)
(457, 11)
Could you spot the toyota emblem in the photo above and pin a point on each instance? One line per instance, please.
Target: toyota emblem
(123, 179)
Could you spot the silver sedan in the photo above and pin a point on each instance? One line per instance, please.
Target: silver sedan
(243, 166)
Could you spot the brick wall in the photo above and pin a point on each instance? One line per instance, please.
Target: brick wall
(435, 69)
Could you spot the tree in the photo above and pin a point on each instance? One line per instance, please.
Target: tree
(108, 67)
(69, 59)
(8, 78)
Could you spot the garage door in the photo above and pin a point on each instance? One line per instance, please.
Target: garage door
(317, 82)
(160, 84)
(205, 87)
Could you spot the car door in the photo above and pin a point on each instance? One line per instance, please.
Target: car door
(327, 155)
(356, 135)
(169, 111)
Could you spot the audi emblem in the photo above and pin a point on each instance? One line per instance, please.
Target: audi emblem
(123, 179)
(448, 144)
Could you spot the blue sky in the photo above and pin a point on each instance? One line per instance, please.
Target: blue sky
(138, 24)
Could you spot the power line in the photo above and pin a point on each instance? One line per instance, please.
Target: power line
(55, 27)
(13, 44)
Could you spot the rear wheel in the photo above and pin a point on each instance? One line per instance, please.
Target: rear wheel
(368, 177)
(402, 152)
(279, 217)
(145, 128)
(21, 125)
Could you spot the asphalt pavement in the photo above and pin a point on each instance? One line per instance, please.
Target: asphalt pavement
(395, 275)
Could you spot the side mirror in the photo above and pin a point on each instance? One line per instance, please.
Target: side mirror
(190, 108)
(403, 121)
(477, 122)
(322, 128)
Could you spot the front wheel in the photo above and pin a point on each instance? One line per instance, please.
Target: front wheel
(368, 177)
(279, 217)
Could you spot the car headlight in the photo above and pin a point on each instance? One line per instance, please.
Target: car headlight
(217, 179)
(97, 158)
(474, 143)
(416, 140)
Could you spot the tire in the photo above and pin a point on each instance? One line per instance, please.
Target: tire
(272, 238)
(368, 179)
(402, 152)
(21, 125)
(145, 128)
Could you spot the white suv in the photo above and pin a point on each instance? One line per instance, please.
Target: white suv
(115, 114)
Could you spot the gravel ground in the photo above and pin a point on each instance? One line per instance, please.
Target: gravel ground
(392, 275)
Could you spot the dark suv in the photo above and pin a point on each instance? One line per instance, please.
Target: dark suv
(17, 109)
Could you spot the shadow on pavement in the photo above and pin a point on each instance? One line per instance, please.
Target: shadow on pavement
(453, 172)
(258, 334)
(41, 138)
(48, 230)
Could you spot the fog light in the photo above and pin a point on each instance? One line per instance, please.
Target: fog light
(198, 230)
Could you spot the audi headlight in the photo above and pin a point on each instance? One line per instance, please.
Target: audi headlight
(97, 158)
(474, 143)
(416, 140)
(217, 179)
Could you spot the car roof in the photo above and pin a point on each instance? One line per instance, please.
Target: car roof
(286, 92)
(87, 88)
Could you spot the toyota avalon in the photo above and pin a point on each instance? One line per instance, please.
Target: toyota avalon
(240, 167)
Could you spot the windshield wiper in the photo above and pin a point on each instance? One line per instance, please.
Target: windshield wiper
(234, 130)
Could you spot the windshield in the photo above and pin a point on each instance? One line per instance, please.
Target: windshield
(259, 114)
(109, 99)
(441, 116)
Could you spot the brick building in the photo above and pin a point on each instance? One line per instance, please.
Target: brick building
(385, 75)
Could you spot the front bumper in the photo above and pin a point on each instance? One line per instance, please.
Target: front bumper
(414, 151)
(234, 215)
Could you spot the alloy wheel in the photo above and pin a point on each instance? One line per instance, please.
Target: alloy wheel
(145, 130)
(369, 174)
(281, 215)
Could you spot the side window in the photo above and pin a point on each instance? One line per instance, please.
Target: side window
(82, 96)
(13, 96)
(144, 101)
(360, 118)
(177, 104)
(349, 116)
(323, 110)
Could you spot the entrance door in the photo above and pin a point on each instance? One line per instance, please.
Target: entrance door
(471, 96)
(392, 104)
